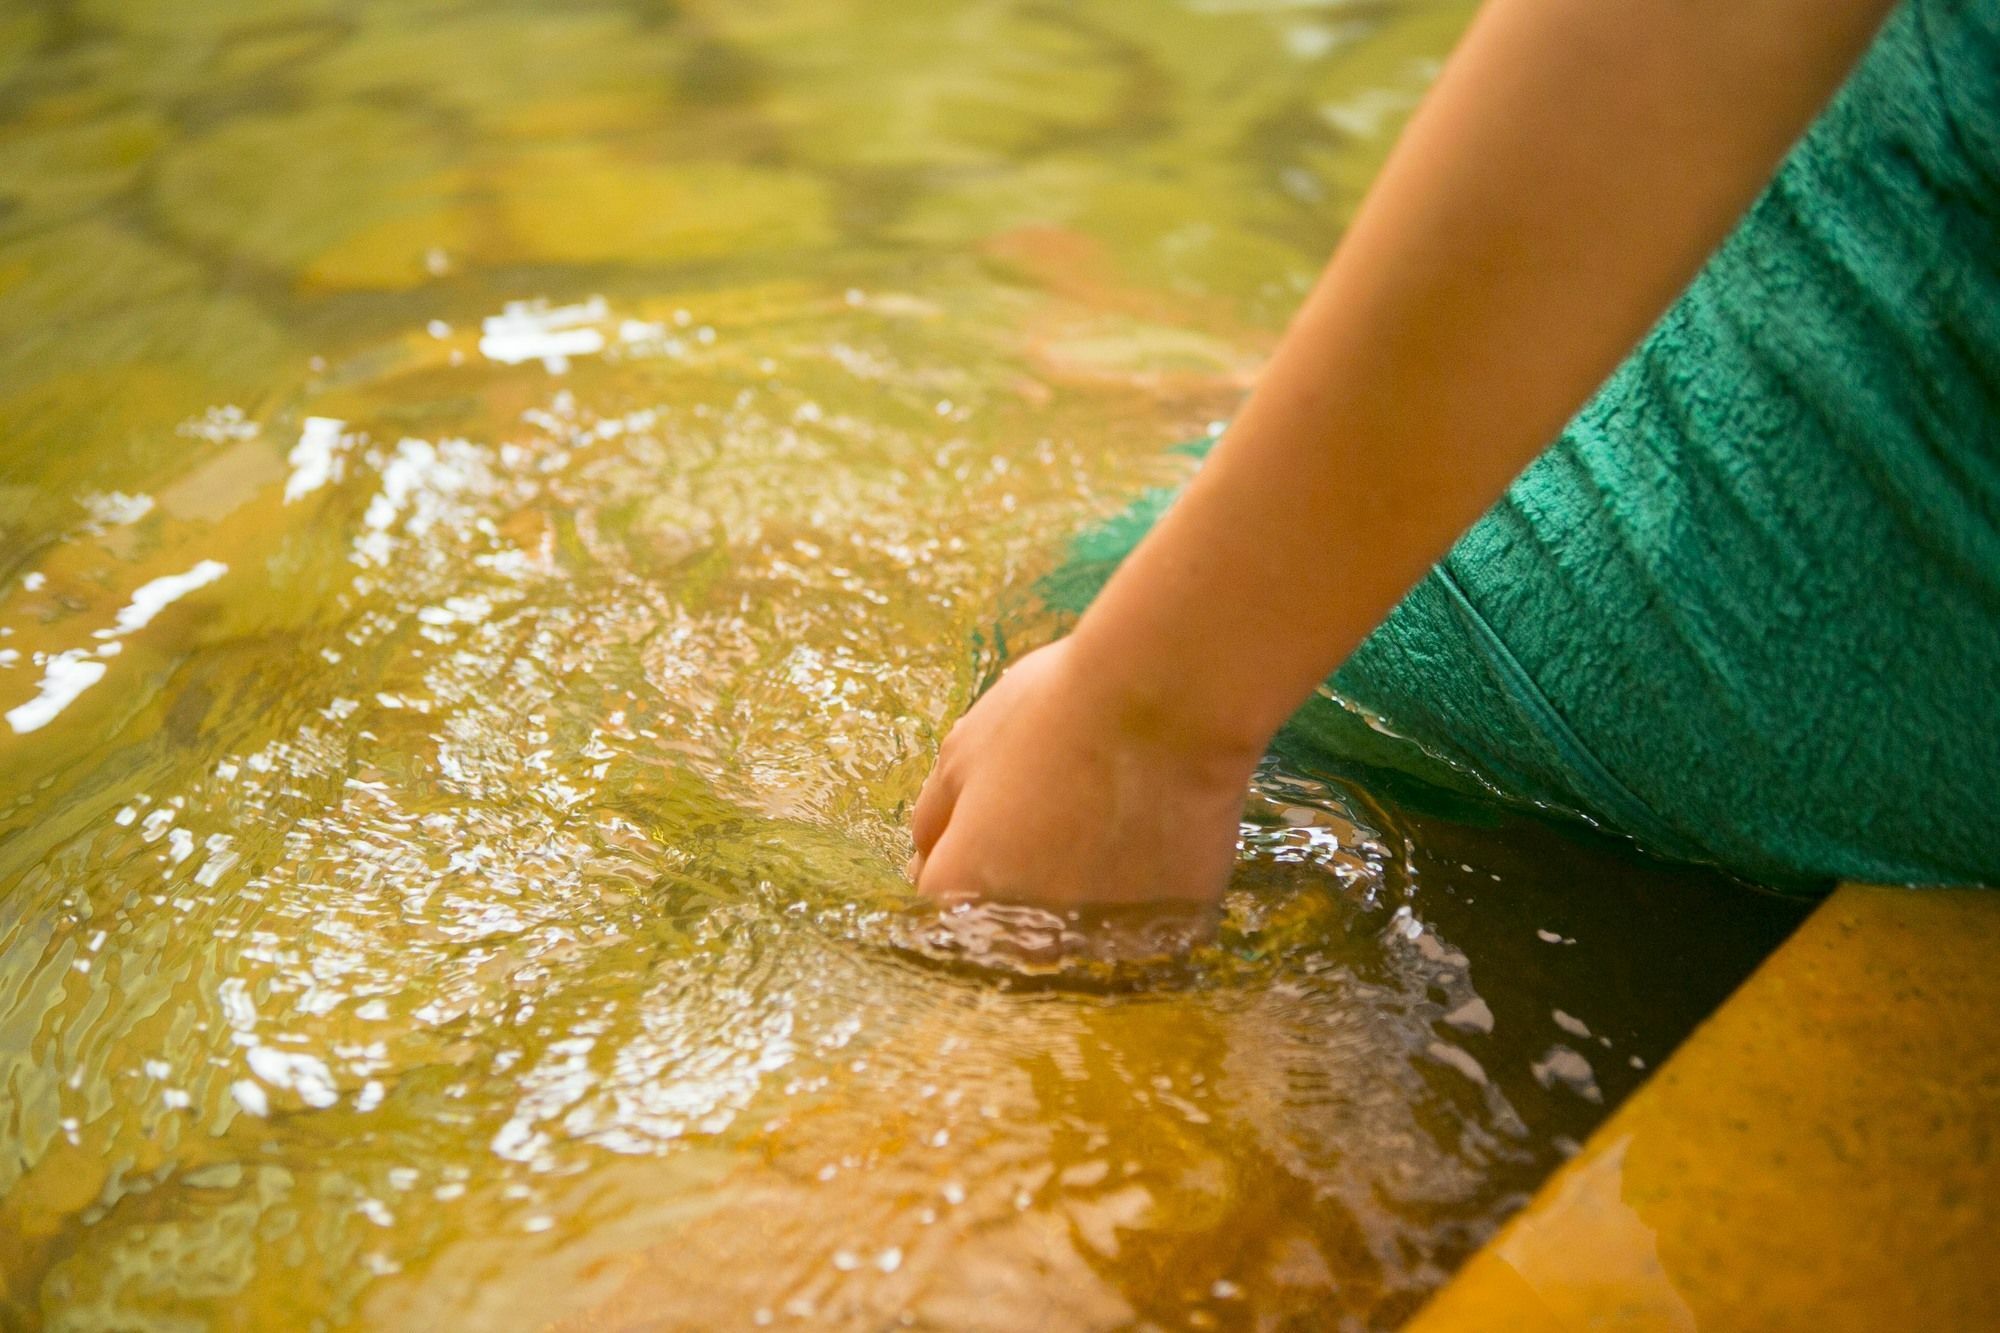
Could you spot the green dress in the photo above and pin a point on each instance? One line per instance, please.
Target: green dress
(1746, 609)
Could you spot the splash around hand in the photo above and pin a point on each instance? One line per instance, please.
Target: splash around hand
(1060, 788)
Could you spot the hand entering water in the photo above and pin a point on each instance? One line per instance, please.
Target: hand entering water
(1572, 170)
(1058, 790)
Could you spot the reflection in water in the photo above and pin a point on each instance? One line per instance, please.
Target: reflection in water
(1620, 1253)
(497, 506)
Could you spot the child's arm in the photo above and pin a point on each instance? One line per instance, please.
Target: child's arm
(1575, 165)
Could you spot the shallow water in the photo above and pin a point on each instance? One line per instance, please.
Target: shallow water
(497, 506)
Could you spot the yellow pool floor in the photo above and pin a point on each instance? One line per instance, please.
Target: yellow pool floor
(1823, 1154)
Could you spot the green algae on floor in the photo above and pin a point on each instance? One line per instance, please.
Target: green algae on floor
(496, 508)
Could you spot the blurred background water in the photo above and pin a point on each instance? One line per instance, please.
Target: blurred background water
(498, 503)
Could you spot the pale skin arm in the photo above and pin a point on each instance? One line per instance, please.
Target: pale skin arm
(1576, 163)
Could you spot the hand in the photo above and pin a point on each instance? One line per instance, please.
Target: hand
(1055, 789)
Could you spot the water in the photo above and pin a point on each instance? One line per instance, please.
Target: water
(496, 508)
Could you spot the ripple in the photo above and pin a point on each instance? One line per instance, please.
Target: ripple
(486, 607)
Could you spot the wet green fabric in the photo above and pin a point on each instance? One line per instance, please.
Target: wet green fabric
(1747, 608)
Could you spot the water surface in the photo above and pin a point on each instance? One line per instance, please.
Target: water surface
(497, 506)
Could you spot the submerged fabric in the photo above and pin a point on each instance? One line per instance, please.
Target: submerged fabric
(1747, 608)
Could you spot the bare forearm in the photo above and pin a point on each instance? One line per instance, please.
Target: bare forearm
(1575, 165)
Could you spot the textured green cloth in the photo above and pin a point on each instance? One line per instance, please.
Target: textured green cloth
(1747, 608)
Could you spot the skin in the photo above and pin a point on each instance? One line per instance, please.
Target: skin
(1573, 168)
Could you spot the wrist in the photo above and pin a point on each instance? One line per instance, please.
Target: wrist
(1187, 709)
